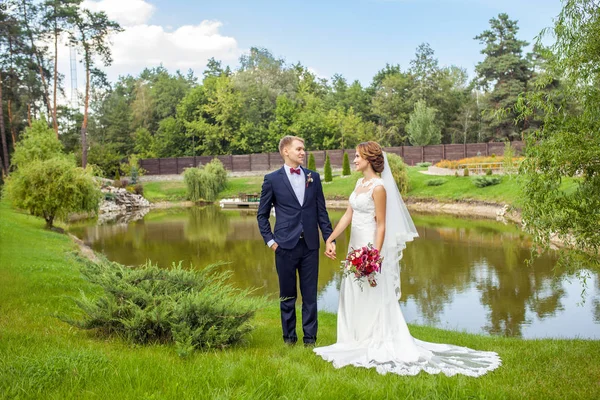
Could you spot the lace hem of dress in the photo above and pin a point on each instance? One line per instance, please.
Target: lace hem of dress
(448, 365)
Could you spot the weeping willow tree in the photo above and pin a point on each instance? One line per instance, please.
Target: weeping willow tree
(568, 143)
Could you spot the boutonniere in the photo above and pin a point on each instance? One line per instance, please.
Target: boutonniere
(309, 178)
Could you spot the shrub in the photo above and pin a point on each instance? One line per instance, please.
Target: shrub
(38, 142)
(489, 172)
(53, 188)
(130, 189)
(109, 196)
(194, 178)
(138, 188)
(399, 172)
(455, 164)
(194, 309)
(216, 168)
(328, 171)
(346, 166)
(424, 164)
(435, 182)
(117, 183)
(206, 182)
(106, 157)
(483, 181)
(507, 159)
(311, 162)
(132, 169)
(466, 172)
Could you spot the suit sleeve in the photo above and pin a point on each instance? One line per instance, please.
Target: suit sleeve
(323, 217)
(264, 211)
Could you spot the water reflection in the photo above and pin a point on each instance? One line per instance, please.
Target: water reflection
(465, 275)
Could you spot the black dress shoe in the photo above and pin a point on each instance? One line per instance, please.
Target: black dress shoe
(309, 344)
(289, 342)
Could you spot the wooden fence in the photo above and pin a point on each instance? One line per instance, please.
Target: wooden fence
(271, 161)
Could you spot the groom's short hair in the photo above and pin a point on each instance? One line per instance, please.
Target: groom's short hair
(286, 141)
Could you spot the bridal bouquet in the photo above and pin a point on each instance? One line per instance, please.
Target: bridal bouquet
(363, 262)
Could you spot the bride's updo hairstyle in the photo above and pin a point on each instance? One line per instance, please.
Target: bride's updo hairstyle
(373, 153)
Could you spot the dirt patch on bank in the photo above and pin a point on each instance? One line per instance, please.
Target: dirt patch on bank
(172, 204)
(466, 208)
(84, 249)
(462, 208)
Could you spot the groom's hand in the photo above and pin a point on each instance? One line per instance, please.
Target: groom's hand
(274, 246)
(330, 250)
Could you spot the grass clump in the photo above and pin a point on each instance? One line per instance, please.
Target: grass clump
(483, 181)
(435, 182)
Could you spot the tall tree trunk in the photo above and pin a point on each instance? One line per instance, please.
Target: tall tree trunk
(85, 114)
(39, 61)
(13, 91)
(466, 127)
(3, 134)
(13, 132)
(54, 119)
(28, 115)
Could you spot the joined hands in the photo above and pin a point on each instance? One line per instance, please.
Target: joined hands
(330, 250)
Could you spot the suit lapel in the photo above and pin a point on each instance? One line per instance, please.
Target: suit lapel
(307, 184)
(287, 183)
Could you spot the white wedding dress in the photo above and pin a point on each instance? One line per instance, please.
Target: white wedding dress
(371, 330)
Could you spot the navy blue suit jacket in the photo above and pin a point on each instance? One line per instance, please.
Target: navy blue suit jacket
(291, 218)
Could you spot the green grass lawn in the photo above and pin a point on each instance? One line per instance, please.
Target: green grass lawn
(44, 358)
(164, 191)
(461, 188)
(455, 188)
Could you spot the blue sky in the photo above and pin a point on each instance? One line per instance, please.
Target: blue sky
(354, 38)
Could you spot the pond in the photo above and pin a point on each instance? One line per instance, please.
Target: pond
(465, 275)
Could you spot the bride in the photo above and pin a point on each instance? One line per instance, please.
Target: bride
(371, 330)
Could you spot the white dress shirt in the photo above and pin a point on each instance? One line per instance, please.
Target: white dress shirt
(297, 181)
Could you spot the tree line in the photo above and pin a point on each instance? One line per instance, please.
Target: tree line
(247, 110)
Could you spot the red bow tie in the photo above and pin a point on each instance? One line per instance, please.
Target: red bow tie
(295, 170)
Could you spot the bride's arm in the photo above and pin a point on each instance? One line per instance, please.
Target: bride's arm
(341, 225)
(379, 199)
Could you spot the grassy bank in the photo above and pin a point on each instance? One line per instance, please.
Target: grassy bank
(41, 357)
(454, 188)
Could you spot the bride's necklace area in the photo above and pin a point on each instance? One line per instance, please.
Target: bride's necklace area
(365, 184)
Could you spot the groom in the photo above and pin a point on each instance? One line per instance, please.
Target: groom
(297, 195)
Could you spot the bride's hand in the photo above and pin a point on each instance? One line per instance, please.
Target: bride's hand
(330, 250)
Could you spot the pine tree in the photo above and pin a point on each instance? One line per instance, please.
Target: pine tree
(346, 166)
(507, 70)
(422, 129)
(91, 37)
(328, 172)
(311, 162)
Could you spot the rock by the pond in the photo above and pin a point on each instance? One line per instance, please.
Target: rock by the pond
(120, 200)
(119, 205)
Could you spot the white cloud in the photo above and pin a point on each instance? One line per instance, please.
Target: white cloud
(189, 46)
(125, 12)
(142, 44)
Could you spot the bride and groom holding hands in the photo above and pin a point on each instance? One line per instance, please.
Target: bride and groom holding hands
(371, 330)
